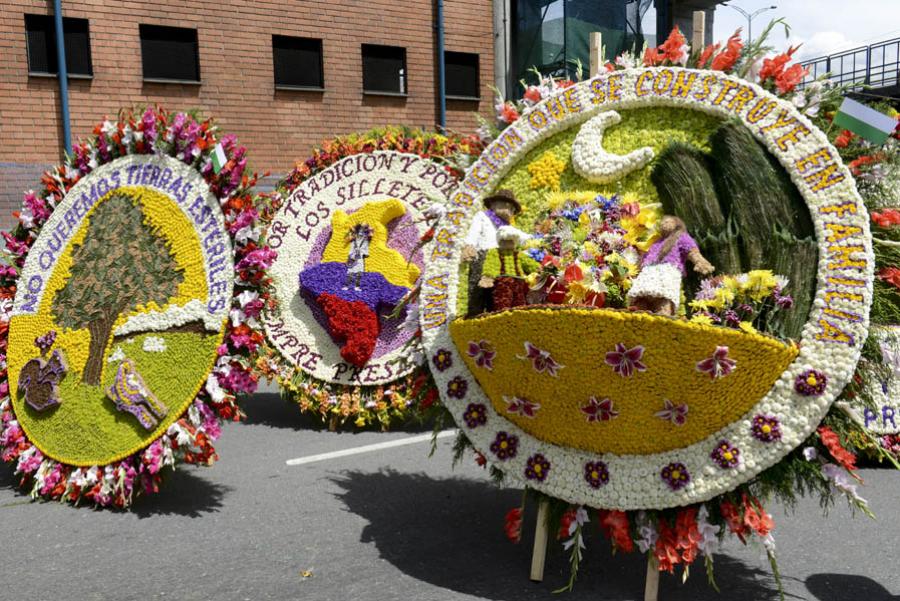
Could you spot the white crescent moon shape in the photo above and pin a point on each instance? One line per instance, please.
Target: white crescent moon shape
(595, 164)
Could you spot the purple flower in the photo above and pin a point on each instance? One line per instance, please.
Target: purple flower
(626, 361)
(442, 359)
(475, 415)
(505, 446)
(784, 301)
(726, 455)
(732, 319)
(538, 467)
(483, 353)
(811, 383)
(238, 380)
(599, 410)
(457, 387)
(766, 428)
(148, 121)
(677, 414)
(675, 475)
(521, 406)
(541, 360)
(719, 365)
(596, 473)
(46, 341)
(260, 259)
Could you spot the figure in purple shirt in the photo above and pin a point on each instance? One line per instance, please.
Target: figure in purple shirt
(657, 288)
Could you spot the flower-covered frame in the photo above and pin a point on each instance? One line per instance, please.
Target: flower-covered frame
(831, 340)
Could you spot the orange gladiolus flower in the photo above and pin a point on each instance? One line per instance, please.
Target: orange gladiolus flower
(707, 54)
(773, 67)
(726, 59)
(886, 218)
(788, 79)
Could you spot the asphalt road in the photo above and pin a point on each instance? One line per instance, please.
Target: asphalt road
(388, 525)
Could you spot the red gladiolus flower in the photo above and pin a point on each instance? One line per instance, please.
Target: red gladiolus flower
(756, 518)
(833, 443)
(891, 275)
(707, 54)
(844, 139)
(732, 515)
(513, 525)
(674, 49)
(726, 59)
(565, 522)
(788, 79)
(533, 94)
(856, 164)
(886, 218)
(653, 57)
(508, 114)
(773, 67)
(666, 550)
(615, 527)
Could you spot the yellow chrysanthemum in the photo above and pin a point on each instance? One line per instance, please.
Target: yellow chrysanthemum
(702, 319)
(746, 326)
(545, 171)
(760, 284)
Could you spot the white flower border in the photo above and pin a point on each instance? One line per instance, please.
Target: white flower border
(298, 328)
(635, 481)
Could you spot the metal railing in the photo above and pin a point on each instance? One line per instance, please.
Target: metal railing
(877, 66)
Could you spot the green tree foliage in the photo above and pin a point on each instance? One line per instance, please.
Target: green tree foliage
(122, 264)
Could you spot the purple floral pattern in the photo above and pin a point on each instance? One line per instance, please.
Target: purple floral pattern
(677, 414)
(766, 428)
(442, 359)
(726, 455)
(675, 475)
(457, 387)
(521, 406)
(537, 468)
(475, 415)
(483, 353)
(596, 473)
(599, 410)
(717, 366)
(626, 361)
(811, 383)
(540, 359)
(505, 445)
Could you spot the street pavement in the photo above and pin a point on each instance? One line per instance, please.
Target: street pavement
(391, 524)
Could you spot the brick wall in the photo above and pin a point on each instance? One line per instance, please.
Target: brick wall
(236, 72)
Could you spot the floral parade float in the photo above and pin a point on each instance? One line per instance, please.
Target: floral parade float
(342, 334)
(668, 423)
(127, 314)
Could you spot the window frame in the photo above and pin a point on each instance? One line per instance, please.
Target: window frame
(293, 87)
(170, 80)
(52, 32)
(464, 98)
(404, 93)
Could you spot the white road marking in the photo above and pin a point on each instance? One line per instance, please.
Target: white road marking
(369, 448)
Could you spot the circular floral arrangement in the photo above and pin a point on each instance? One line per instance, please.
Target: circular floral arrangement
(126, 325)
(763, 427)
(342, 327)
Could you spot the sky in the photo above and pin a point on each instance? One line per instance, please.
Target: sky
(822, 26)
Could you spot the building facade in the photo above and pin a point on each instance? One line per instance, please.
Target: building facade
(280, 75)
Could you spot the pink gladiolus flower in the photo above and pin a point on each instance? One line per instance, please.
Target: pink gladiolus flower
(677, 414)
(483, 353)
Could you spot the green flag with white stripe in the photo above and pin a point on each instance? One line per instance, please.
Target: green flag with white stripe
(218, 158)
(864, 121)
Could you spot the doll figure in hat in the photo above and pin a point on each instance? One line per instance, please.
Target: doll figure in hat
(505, 268)
(499, 210)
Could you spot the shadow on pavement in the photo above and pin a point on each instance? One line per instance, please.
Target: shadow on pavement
(183, 493)
(840, 587)
(449, 533)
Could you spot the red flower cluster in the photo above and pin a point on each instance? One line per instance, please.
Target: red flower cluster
(844, 138)
(832, 442)
(886, 218)
(856, 165)
(565, 522)
(725, 60)
(746, 518)
(674, 50)
(615, 527)
(353, 324)
(678, 544)
(513, 525)
(786, 79)
(891, 275)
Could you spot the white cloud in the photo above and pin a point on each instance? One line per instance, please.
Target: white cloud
(821, 43)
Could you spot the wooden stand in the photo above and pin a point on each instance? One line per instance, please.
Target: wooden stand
(596, 41)
(539, 555)
(699, 30)
(651, 586)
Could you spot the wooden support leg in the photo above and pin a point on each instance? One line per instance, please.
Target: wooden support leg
(651, 587)
(540, 542)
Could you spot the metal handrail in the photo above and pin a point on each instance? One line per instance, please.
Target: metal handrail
(875, 66)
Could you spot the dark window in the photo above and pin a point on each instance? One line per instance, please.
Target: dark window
(169, 53)
(40, 32)
(384, 69)
(461, 71)
(298, 62)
